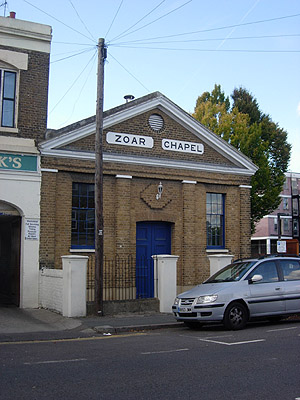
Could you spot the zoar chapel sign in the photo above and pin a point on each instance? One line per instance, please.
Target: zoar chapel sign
(126, 139)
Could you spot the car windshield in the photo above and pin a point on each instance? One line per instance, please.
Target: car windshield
(232, 273)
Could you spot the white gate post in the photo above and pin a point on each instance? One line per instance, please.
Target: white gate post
(74, 285)
(165, 274)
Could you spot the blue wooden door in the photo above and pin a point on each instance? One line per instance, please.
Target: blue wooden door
(151, 238)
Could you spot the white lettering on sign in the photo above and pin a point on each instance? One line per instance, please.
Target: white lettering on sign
(186, 147)
(32, 229)
(125, 139)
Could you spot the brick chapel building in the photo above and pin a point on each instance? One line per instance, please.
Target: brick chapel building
(171, 186)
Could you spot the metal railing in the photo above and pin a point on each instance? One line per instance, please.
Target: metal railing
(121, 279)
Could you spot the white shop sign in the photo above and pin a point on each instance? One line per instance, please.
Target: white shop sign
(32, 229)
(186, 147)
(126, 139)
(281, 246)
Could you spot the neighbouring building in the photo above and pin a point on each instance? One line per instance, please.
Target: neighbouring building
(24, 72)
(171, 186)
(282, 223)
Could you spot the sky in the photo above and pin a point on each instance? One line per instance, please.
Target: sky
(180, 48)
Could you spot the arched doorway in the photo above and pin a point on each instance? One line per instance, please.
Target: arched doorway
(10, 239)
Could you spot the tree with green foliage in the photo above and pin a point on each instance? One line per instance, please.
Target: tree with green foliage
(245, 127)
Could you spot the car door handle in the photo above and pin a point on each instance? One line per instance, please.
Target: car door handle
(278, 288)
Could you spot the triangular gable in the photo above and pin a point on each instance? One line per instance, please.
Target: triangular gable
(60, 145)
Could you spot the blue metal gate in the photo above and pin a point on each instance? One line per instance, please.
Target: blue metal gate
(151, 238)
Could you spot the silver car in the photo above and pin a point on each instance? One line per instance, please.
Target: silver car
(267, 287)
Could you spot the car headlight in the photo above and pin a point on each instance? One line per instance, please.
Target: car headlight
(206, 299)
(176, 301)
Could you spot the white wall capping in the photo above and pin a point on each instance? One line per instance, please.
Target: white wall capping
(124, 176)
(190, 182)
(48, 170)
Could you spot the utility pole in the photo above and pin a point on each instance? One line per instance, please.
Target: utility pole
(99, 180)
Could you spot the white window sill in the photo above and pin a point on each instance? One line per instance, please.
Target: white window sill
(217, 251)
(82, 250)
(9, 130)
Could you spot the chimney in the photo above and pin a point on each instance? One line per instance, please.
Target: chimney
(128, 97)
(12, 15)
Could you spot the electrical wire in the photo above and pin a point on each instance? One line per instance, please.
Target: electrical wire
(157, 19)
(134, 77)
(76, 79)
(74, 52)
(71, 43)
(80, 19)
(56, 19)
(114, 18)
(216, 29)
(92, 60)
(213, 50)
(74, 55)
(210, 40)
(140, 20)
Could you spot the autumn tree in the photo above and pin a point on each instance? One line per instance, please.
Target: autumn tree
(245, 127)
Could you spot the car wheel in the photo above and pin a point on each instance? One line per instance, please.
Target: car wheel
(236, 316)
(192, 324)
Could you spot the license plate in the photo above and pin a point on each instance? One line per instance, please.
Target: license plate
(184, 309)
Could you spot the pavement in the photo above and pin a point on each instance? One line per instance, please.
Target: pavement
(38, 324)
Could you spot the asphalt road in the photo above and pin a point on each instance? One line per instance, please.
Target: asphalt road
(260, 362)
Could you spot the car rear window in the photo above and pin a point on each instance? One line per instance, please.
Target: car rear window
(291, 270)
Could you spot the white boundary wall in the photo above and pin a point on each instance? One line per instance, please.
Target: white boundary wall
(51, 289)
(64, 290)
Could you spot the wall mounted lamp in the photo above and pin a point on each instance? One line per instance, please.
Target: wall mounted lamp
(159, 191)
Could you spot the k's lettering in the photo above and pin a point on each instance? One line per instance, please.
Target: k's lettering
(10, 162)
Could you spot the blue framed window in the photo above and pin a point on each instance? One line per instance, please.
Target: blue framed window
(215, 207)
(83, 216)
(8, 80)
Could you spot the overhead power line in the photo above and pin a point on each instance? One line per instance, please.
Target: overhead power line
(216, 29)
(117, 12)
(157, 19)
(92, 62)
(76, 79)
(80, 19)
(140, 20)
(134, 77)
(56, 19)
(74, 55)
(125, 44)
(211, 50)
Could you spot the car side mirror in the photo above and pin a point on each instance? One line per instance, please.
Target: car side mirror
(255, 278)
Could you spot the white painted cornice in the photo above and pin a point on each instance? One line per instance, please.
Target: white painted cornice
(150, 162)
